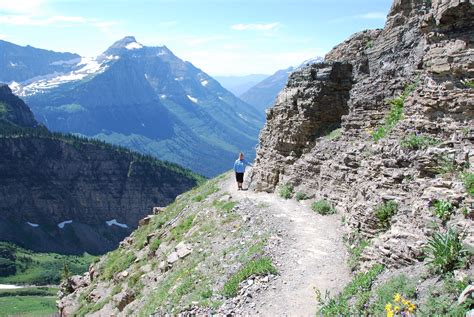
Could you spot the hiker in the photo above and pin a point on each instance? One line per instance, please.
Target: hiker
(239, 168)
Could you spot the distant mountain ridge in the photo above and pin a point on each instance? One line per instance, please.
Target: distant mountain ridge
(149, 100)
(61, 193)
(240, 84)
(263, 94)
(20, 63)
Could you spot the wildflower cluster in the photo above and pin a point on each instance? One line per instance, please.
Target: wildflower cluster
(400, 307)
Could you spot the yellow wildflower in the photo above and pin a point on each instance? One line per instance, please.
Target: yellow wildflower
(396, 308)
(411, 308)
(405, 302)
(397, 297)
(390, 313)
(388, 307)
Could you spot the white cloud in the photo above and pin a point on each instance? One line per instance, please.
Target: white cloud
(255, 26)
(24, 6)
(57, 20)
(372, 16)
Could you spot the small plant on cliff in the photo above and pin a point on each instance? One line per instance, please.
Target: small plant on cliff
(300, 196)
(417, 142)
(384, 213)
(442, 209)
(468, 83)
(445, 251)
(397, 291)
(260, 266)
(286, 191)
(396, 112)
(468, 179)
(323, 207)
(353, 298)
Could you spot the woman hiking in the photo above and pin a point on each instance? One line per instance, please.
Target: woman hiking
(239, 168)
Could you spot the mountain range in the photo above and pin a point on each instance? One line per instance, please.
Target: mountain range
(62, 193)
(146, 99)
(263, 94)
(240, 84)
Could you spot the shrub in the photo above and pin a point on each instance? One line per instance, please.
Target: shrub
(442, 209)
(356, 292)
(445, 251)
(395, 114)
(323, 207)
(384, 213)
(356, 252)
(468, 179)
(260, 266)
(394, 291)
(468, 83)
(155, 244)
(300, 196)
(286, 191)
(417, 142)
(334, 134)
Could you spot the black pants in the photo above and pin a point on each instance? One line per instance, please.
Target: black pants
(239, 177)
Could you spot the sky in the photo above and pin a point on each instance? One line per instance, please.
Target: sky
(222, 37)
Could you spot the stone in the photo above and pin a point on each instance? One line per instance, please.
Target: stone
(124, 298)
(183, 249)
(466, 293)
(145, 221)
(172, 258)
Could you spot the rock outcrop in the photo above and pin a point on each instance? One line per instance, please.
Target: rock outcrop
(69, 195)
(427, 44)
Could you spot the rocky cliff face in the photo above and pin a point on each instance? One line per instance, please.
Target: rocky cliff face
(65, 194)
(427, 44)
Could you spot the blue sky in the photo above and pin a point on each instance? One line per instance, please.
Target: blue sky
(222, 37)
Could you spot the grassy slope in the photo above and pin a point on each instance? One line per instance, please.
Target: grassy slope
(39, 268)
(224, 250)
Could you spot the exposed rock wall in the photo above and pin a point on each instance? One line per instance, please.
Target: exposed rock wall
(64, 194)
(428, 42)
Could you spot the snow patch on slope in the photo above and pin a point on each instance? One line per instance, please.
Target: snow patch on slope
(62, 224)
(34, 225)
(133, 46)
(114, 222)
(192, 99)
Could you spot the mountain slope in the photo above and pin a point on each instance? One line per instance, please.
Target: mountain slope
(66, 194)
(149, 100)
(20, 63)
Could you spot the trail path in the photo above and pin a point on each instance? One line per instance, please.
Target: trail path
(311, 255)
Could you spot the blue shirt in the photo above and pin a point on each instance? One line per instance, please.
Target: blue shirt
(239, 165)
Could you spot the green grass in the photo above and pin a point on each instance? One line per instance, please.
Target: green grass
(334, 134)
(301, 196)
(443, 209)
(395, 114)
(260, 266)
(468, 83)
(418, 142)
(225, 206)
(468, 180)
(446, 165)
(353, 298)
(384, 213)
(384, 293)
(29, 291)
(323, 207)
(356, 252)
(22, 266)
(445, 251)
(443, 302)
(155, 244)
(116, 261)
(182, 228)
(286, 191)
(28, 306)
